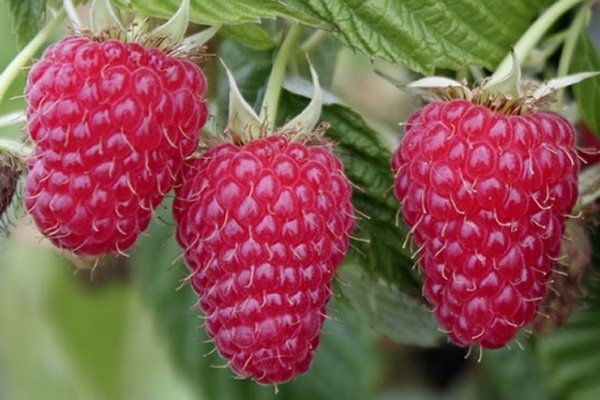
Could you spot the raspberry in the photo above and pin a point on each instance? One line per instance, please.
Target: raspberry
(485, 195)
(112, 123)
(264, 226)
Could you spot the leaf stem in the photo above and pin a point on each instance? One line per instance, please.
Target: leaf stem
(71, 11)
(570, 43)
(15, 66)
(313, 41)
(270, 104)
(533, 35)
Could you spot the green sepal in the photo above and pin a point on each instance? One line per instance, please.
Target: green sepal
(103, 16)
(174, 29)
(242, 121)
(305, 122)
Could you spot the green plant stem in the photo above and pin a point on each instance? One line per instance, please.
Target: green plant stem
(570, 43)
(533, 35)
(71, 11)
(15, 66)
(313, 41)
(270, 104)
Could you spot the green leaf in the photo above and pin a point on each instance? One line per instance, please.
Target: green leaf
(251, 35)
(421, 34)
(401, 317)
(27, 16)
(344, 364)
(571, 356)
(33, 360)
(587, 94)
(222, 12)
(427, 34)
(91, 327)
(68, 335)
(251, 69)
(514, 374)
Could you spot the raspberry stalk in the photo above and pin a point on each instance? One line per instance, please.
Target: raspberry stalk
(270, 105)
(533, 35)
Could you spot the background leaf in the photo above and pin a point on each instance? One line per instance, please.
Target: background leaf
(221, 12)
(587, 94)
(515, 374)
(571, 356)
(424, 35)
(27, 16)
(251, 35)
(428, 34)
(68, 335)
(395, 314)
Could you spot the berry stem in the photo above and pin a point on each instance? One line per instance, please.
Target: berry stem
(15, 66)
(69, 8)
(270, 104)
(533, 35)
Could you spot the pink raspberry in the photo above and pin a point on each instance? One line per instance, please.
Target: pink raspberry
(112, 123)
(264, 226)
(485, 195)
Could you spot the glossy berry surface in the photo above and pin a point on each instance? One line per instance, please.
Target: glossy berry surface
(263, 227)
(112, 123)
(485, 196)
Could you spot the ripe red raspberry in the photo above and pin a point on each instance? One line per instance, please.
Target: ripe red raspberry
(112, 123)
(485, 195)
(264, 226)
